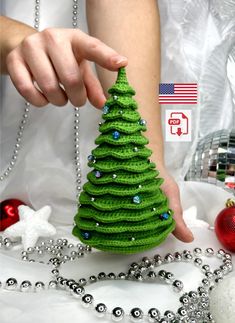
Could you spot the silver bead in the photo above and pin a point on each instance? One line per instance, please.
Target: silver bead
(218, 273)
(178, 256)
(131, 272)
(73, 253)
(101, 276)
(205, 268)
(205, 282)
(134, 265)
(169, 277)
(11, 284)
(157, 260)
(193, 296)
(228, 256)
(39, 286)
(224, 269)
(229, 266)
(52, 284)
(153, 315)
(209, 252)
(177, 285)
(164, 320)
(111, 276)
(25, 286)
(82, 282)
(220, 253)
(87, 300)
(73, 287)
(151, 275)
(117, 314)
(146, 262)
(55, 272)
(92, 279)
(7, 243)
(100, 309)
(30, 250)
(209, 275)
(87, 249)
(169, 258)
(197, 252)
(187, 257)
(139, 277)
(136, 315)
(198, 262)
(184, 300)
(161, 274)
(122, 276)
(182, 312)
(78, 292)
(169, 315)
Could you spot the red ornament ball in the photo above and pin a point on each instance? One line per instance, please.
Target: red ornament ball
(9, 213)
(225, 228)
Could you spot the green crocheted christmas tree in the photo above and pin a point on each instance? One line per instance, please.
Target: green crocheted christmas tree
(122, 207)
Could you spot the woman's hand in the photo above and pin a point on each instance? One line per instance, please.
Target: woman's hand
(171, 190)
(52, 66)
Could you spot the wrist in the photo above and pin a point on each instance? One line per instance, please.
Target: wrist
(12, 34)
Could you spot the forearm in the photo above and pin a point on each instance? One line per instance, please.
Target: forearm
(132, 28)
(12, 33)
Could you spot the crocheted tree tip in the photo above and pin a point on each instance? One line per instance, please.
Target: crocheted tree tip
(122, 208)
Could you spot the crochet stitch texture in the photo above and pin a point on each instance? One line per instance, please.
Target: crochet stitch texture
(122, 207)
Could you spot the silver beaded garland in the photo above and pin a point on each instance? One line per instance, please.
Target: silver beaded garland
(194, 305)
(18, 144)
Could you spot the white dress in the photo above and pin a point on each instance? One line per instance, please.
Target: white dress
(44, 173)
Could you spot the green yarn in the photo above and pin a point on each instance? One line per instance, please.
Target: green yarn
(122, 207)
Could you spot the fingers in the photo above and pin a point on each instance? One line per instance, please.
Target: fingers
(181, 232)
(94, 89)
(43, 72)
(94, 50)
(56, 59)
(22, 80)
(69, 73)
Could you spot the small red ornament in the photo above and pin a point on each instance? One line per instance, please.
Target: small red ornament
(225, 226)
(9, 213)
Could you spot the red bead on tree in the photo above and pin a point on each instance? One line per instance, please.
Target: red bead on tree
(225, 226)
(9, 213)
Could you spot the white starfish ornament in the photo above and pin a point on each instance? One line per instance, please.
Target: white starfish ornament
(31, 226)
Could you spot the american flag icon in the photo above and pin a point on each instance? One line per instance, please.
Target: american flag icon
(178, 93)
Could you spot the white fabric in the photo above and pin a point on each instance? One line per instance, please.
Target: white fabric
(197, 44)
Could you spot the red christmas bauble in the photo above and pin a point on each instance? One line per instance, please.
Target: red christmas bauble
(9, 213)
(225, 228)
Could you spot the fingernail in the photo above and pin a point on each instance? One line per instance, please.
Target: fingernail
(119, 59)
(190, 234)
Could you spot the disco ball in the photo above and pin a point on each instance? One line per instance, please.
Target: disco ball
(214, 160)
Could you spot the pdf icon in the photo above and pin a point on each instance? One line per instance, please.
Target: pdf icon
(178, 125)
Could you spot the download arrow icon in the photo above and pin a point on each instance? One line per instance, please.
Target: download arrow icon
(179, 131)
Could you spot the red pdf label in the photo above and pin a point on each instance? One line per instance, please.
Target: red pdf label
(174, 122)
